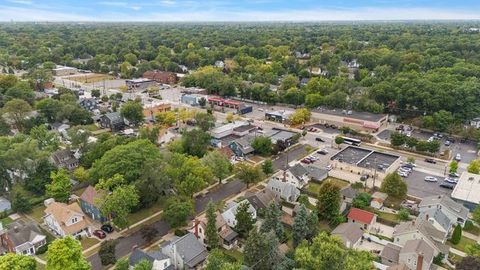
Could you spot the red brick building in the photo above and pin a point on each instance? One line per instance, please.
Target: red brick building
(161, 76)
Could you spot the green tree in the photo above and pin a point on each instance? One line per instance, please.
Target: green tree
(476, 214)
(120, 202)
(211, 234)
(272, 221)
(217, 260)
(46, 140)
(453, 166)
(267, 167)
(468, 263)
(261, 251)
(16, 110)
(442, 120)
(195, 142)
(143, 265)
(60, 187)
(12, 261)
(131, 58)
(20, 202)
(50, 109)
(456, 235)
(328, 204)
(168, 118)
(473, 250)
(394, 186)
(188, 174)
(202, 102)
(288, 82)
(149, 133)
(248, 174)
(244, 218)
(177, 210)
(474, 166)
(66, 253)
(300, 116)
(122, 264)
(397, 139)
(262, 145)
(107, 252)
(219, 164)
(300, 226)
(204, 121)
(339, 140)
(403, 215)
(362, 200)
(133, 112)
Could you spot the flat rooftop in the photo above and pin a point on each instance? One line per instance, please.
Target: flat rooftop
(365, 158)
(365, 116)
(468, 188)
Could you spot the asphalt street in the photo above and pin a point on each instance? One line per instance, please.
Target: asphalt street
(126, 244)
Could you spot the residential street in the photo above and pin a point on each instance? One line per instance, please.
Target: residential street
(125, 244)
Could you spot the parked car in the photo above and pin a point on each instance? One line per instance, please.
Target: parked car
(430, 160)
(107, 228)
(306, 161)
(318, 139)
(458, 157)
(364, 177)
(453, 174)
(447, 143)
(447, 185)
(329, 167)
(451, 180)
(431, 179)
(403, 174)
(322, 152)
(100, 234)
(409, 165)
(405, 169)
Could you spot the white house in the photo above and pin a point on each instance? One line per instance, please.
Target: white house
(228, 236)
(231, 210)
(158, 260)
(378, 198)
(415, 254)
(65, 219)
(475, 122)
(185, 252)
(284, 190)
(21, 238)
(296, 175)
(443, 212)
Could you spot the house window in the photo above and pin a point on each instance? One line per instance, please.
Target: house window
(200, 230)
(74, 220)
(165, 264)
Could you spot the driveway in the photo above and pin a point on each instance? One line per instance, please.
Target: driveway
(125, 244)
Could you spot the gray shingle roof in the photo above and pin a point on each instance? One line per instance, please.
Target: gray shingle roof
(348, 231)
(391, 252)
(20, 233)
(349, 192)
(114, 117)
(419, 247)
(139, 255)
(298, 170)
(190, 249)
(316, 173)
(446, 202)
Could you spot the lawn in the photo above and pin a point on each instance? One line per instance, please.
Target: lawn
(315, 187)
(37, 213)
(88, 242)
(146, 212)
(473, 230)
(90, 78)
(387, 216)
(234, 254)
(463, 243)
(6, 221)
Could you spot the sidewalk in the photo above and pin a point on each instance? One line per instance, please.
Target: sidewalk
(471, 236)
(458, 252)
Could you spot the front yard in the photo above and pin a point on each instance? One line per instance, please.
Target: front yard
(88, 242)
(314, 187)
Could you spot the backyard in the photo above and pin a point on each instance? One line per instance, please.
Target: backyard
(314, 187)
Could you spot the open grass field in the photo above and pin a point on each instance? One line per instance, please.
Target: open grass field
(90, 78)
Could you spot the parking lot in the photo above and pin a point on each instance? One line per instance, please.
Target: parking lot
(418, 187)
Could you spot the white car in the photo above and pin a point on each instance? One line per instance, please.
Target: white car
(458, 157)
(431, 179)
(329, 167)
(403, 174)
(451, 180)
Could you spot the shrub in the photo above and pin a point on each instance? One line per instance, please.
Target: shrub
(456, 235)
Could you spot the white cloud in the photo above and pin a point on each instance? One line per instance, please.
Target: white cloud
(167, 3)
(227, 14)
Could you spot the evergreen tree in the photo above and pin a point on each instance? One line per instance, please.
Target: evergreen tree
(456, 235)
(312, 225)
(300, 226)
(272, 221)
(244, 219)
(211, 235)
(267, 167)
(261, 251)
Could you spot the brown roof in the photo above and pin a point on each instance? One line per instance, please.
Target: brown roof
(361, 215)
(227, 151)
(90, 195)
(161, 76)
(63, 212)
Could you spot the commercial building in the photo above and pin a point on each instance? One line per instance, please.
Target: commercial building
(191, 99)
(64, 71)
(141, 84)
(364, 161)
(467, 190)
(362, 121)
(238, 128)
(161, 76)
(278, 116)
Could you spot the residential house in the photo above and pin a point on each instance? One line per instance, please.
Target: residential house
(242, 147)
(89, 203)
(297, 175)
(230, 128)
(149, 112)
(88, 104)
(421, 229)
(283, 189)
(415, 254)
(378, 198)
(22, 238)
(443, 212)
(164, 77)
(114, 121)
(228, 153)
(65, 219)
(142, 84)
(316, 174)
(219, 64)
(350, 233)
(475, 122)
(231, 211)
(5, 204)
(158, 260)
(347, 195)
(65, 159)
(261, 199)
(229, 237)
(185, 252)
(366, 219)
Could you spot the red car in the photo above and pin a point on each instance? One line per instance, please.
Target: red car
(306, 161)
(100, 234)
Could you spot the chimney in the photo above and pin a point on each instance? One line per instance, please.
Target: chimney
(16, 229)
(420, 262)
(284, 176)
(195, 224)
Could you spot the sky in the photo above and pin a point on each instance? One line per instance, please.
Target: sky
(237, 10)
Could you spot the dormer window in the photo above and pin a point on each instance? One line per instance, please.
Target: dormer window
(74, 220)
